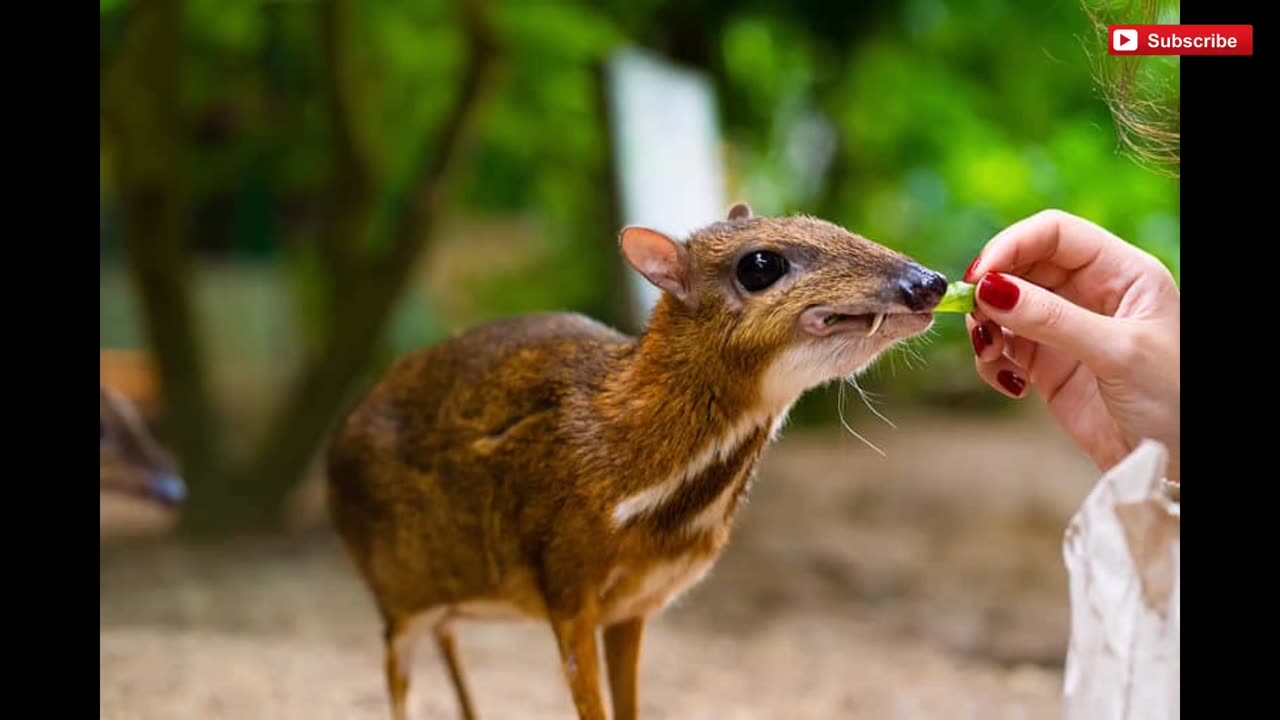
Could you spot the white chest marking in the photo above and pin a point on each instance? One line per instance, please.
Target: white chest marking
(654, 496)
(785, 380)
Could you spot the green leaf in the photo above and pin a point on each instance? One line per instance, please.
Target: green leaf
(958, 299)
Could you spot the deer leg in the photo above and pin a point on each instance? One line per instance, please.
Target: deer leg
(580, 659)
(622, 656)
(448, 646)
(403, 635)
(400, 641)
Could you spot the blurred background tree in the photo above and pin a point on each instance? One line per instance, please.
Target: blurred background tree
(295, 192)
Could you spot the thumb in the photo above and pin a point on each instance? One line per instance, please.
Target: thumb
(1045, 317)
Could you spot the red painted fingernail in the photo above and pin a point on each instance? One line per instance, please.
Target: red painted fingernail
(1010, 381)
(981, 338)
(998, 292)
(968, 274)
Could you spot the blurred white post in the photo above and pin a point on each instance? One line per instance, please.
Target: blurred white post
(666, 142)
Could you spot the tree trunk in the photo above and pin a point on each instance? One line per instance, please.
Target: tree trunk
(369, 293)
(142, 113)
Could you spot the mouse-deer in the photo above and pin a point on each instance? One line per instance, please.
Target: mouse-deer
(131, 461)
(549, 468)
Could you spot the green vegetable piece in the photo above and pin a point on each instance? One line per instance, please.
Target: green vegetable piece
(958, 299)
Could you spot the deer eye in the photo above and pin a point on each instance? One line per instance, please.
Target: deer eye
(761, 269)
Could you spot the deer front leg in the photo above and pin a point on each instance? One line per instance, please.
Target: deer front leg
(580, 658)
(622, 656)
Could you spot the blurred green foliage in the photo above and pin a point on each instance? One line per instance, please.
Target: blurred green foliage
(926, 125)
(953, 120)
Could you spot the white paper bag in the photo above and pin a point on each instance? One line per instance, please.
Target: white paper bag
(1122, 551)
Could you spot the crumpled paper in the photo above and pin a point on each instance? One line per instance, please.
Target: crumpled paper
(1122, 552)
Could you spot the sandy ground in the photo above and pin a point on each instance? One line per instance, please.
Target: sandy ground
(927, 584)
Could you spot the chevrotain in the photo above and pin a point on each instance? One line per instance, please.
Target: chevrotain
(552, 469)
(130, 459)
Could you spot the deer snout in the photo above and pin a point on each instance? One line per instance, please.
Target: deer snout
(168, 489)
(921, 289)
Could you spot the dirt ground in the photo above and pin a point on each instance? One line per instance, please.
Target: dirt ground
(925, 584)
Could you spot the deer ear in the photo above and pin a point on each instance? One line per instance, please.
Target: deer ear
(741, 211)
(661, 260)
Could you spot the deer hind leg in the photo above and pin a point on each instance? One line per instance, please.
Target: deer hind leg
(580, 660)
(448, 646)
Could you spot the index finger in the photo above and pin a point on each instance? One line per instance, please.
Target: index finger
(1054, 237)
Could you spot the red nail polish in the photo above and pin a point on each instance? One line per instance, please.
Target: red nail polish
(1010, 381)
(981, 338)
(968, 274)
(998, 292)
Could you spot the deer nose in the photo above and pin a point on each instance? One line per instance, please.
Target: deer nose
(169, 489)
(921, 289)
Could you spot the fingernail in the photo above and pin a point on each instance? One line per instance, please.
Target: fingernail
(998, 292)
(1010, 381)
(981, 338)
(968, 274)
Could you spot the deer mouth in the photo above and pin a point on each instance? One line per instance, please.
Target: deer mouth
(825, 320)
(836, 318)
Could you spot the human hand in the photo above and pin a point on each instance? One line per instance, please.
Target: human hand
(1092, 323)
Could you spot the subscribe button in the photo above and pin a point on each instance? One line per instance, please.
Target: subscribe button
(1181, 39)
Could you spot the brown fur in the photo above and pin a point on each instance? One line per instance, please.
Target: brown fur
(489, 471)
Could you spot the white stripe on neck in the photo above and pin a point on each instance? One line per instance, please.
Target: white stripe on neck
(717, 450)
(786, 379)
